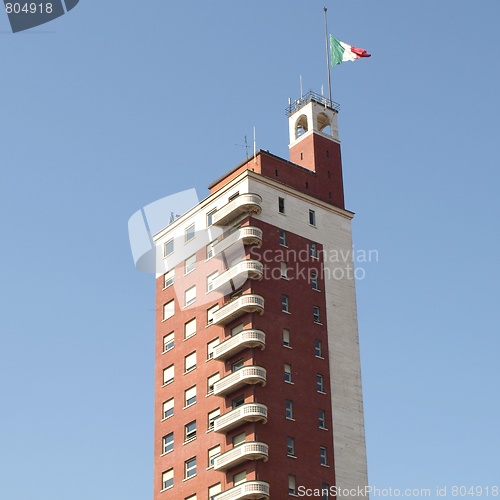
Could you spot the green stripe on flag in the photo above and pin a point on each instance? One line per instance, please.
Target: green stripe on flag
(336, 51)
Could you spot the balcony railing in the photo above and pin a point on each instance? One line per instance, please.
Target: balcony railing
(244, 203)
(246, 375)
(252, 450)
(247, 235)
(248, 412)
(236, 343)
(249, 490)
(244, 304)
(246, 269)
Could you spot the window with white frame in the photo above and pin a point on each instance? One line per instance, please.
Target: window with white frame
(190, 328)
(316, 314)
(237, 365)
(168, 375)
(322, 419)
(211, 312)
(289, 409)
(292, 488)
(210, 281)
(190, 362)
(210, 250)
(168, 309)
(190, 396)
(239, 439)
(192, 497)
(211, 381)
(282, 237)
(211, 347)
(211, 418)
(214, 490)
(286, 337)
(168, 247)
(239, 478)
(281, 205)
(318, 348)
(237, 329)
(314, 281)
(323, 456)
(213, 453)
(190, 232)
(168, 342)
(312, 217)
(313, 250)
(284, 270)
(290, 446)
(190, 468)
(190, 431)
(190, 295)
(288, 373)
(168, 408)
(320, 383)
(168, 443)
(168, 279)
(285, 307)
(210, 217)
(167, 479)
(238, 401)
(190, 264)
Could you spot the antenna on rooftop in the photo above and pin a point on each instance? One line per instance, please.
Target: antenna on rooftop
(246, 146)
(301, 93)
(254, 146)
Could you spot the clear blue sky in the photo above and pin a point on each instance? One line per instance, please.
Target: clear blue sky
(120, 103)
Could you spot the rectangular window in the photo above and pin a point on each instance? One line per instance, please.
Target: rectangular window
(210, 314)
(281, 205)
(190, 362)
(190, 431)
(325, 491)
(190, 468)
(289, 409)
(238, 401)
(322, 419)
(210, 217)
(313, 250)
(238, 365)
(168, 247)
(288, 373)
(316, 314)
(210, 348)
(292, 488)
(213, 453)
(290, 447)
(167, 479)
(190, 328)
(190, 295)
(239, 478)
(214, 490)
(286, 338)
(236, 330)
(312, 217)
(210, 281)
(189, 235)
(314, 281)
(284, 303)
(190, 396)
(323, 457)
(211, 381)
(239, 439)
(168, 375)
(211, 418)
(168, 408)
(283, 237)
(190, 264)
(318, 348)
(168, 342)
(320, 383)
(168, 279)
(192, 497)
(168, 309)
(284, 270)
(168, 442)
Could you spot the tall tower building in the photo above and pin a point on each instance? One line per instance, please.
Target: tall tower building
(258, 384)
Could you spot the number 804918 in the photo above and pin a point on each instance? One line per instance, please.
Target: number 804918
(28, 8)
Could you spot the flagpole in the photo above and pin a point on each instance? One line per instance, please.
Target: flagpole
(327, 58)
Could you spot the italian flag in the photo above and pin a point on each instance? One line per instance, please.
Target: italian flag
(341, 52)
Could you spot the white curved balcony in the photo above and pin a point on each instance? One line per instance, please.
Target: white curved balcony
(247, 235)
(246, 375)
(248, 412)
(249, 490)
(246, 269)
(245, 203)
(251, 450)
(244, 304)
(243, 340)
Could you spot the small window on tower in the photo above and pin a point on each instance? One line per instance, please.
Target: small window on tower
(281, 205)
(312, 217)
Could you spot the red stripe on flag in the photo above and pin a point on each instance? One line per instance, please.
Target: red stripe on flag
(360, 52)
